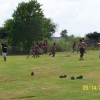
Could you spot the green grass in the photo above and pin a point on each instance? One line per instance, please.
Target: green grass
(16, 82)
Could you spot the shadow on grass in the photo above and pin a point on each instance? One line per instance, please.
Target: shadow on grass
(24, 97)
(66, 56)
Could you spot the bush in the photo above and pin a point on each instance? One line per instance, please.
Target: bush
(61, 45)
(93, 48)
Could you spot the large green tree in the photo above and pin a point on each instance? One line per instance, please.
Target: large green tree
(3, 33)
(28, 24)
(49, 28)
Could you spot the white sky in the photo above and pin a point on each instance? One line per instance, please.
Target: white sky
(79, 17)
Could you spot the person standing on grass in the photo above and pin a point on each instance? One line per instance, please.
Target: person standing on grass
(37, 50)
(4, 49)
(84, 42)
(53, 50)
(44, 44)
(73, 46)
(81, 45)
(31, 52)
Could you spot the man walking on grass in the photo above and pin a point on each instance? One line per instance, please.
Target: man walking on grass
(81, 45)
(4, 49)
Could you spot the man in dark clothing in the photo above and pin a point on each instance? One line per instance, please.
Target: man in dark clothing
(4, 49)
(82, 45)
(74, 46)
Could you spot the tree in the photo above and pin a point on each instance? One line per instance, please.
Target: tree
(28, 24)
(48, 28)
(64, 34)
(93, 36)
(3, 33)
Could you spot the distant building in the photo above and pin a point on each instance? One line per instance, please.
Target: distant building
(56, 38)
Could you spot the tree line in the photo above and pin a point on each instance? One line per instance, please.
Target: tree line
(29, 24)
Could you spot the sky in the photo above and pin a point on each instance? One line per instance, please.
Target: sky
(78, 17)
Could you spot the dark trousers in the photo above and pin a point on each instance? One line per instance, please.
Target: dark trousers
(53, 54)
(73, 49)
(82, 50)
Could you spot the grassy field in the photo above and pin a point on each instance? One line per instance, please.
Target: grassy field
(16, 82)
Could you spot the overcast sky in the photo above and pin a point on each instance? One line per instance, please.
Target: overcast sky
(79, 17)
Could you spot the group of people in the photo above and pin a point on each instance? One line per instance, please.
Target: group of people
(38, 48)
(41, 47)
(35, 51)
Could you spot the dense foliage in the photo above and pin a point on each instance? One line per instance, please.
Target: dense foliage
(93, 36)
(28, 24)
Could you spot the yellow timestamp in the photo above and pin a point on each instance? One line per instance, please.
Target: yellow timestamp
(90, 87)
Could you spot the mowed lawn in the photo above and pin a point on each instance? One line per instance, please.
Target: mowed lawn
(16, 82)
